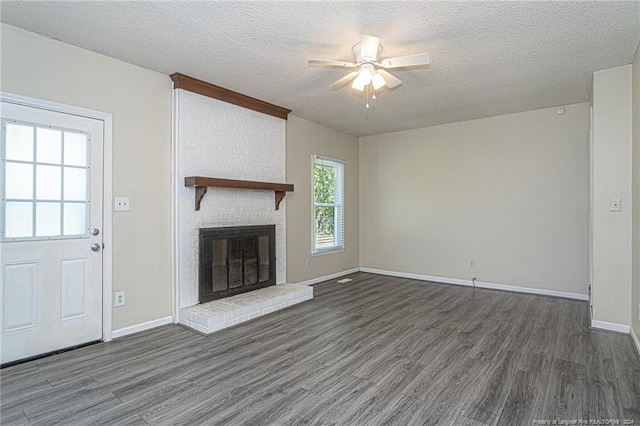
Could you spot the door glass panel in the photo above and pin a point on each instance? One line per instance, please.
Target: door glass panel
(250, 260)
(49, 146)
(18, 217)
(75, 184)
(43, 196)
(235, 262)
(263, 258)
(75, 149)
(48, 182)
(75, 219)
(19, 181)
(219, 275)
(47, 219)
(19, 142)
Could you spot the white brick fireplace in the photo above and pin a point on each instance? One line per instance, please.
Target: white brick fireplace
(218, 139)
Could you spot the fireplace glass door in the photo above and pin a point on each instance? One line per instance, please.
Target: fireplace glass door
(235, 260)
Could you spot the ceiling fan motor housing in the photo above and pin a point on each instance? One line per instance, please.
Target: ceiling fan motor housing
(357, 52)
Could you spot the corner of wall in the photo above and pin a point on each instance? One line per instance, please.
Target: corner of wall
(635, 252)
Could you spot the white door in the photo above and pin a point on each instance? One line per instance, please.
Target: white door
(51, 221)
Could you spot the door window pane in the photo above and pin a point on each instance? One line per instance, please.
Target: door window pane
(49, 146)
(19, 142)
(18, 219)
(48, 182)
(19, 181)
(75, 184)
(47, 219)
(75, 149)
(75, 219)
(45, 179)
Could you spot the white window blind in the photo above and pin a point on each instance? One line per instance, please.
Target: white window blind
(328, 204)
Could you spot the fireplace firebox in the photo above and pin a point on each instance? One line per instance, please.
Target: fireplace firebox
(235, 260)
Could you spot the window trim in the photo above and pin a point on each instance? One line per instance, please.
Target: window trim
(335, 248)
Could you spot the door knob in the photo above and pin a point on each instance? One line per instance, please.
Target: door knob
(95, 247)
(95, 231)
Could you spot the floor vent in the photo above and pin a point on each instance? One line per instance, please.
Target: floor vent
(344, 280)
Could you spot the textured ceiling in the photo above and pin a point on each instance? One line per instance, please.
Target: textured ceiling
(487, 58)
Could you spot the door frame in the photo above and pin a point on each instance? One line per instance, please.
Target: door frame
(107, 193)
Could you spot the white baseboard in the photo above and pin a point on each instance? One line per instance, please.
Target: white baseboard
(141, 327)
(610, 326)
(330, 277)
(417, 276)
(479, 284)
(636, 341)
(531, 290)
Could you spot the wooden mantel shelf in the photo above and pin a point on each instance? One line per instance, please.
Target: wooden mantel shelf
(202, 183)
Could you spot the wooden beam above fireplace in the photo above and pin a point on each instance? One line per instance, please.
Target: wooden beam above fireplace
(181, 81)
(201, 184)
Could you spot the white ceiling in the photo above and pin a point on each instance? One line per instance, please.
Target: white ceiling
(487, 58)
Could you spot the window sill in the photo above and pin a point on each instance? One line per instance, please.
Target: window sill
(328, 251)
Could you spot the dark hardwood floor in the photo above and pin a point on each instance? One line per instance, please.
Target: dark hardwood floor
(375, 351)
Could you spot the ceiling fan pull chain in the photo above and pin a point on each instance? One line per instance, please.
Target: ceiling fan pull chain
(367, 97)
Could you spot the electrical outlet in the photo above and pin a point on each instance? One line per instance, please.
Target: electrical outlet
(121, 204)
(308, 262)
(119, 299)
(472, 264)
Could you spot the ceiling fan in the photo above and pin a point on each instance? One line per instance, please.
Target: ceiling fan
(371, 70)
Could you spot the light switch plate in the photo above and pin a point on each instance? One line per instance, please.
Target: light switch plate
(616, 205)
(121, 204)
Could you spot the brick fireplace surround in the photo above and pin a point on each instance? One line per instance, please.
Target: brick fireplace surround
(218, 139)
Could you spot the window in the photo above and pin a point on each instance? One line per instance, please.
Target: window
(45, 175)
(328, 204)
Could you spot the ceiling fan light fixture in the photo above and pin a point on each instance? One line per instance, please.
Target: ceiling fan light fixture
(378, 81)
(365, 74)
(358, 83)
(363, 79)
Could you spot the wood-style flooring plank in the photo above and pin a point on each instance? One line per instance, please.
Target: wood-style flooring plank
(563, 400)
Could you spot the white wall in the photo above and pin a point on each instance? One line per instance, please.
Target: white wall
(218, 139)
(635, 300)
(304, 139)
(509, 192)
(611, 177)
(140, 102)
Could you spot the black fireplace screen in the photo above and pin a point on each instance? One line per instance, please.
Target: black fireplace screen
(235, 260)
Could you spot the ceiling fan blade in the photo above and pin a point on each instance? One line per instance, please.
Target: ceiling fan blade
(344, 80)
(327, 63)
(406, 61)
(390, 80)
(369, 46)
